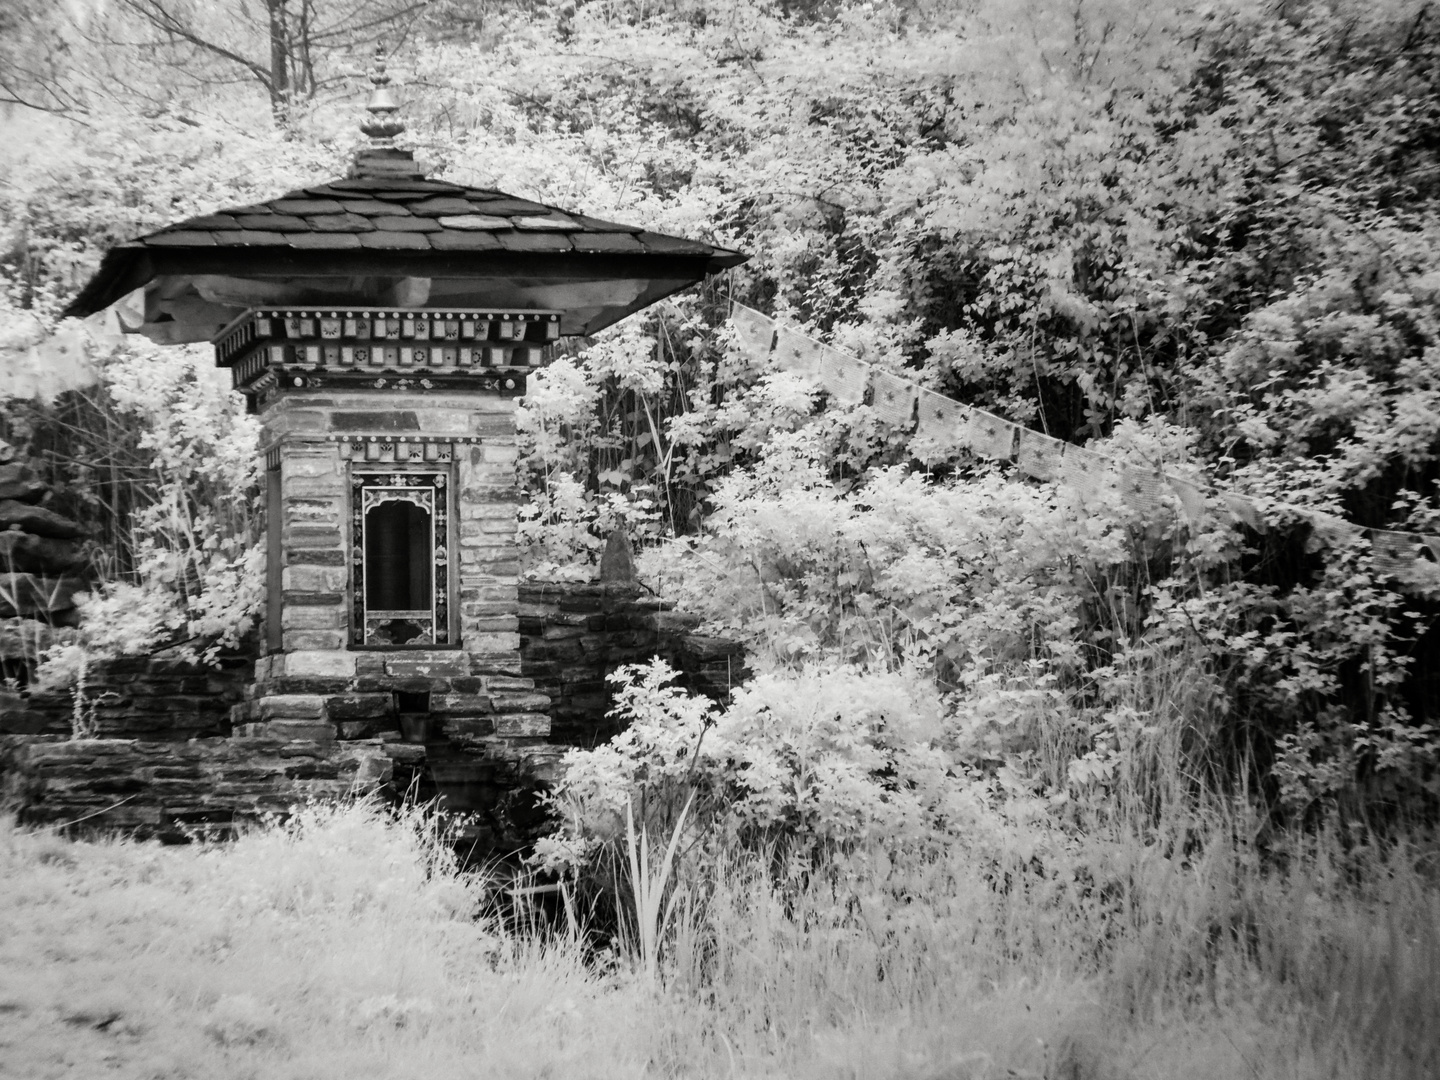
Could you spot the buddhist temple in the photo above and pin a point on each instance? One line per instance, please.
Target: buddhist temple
(383, 326)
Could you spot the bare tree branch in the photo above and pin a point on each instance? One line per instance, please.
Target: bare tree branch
(155, 13)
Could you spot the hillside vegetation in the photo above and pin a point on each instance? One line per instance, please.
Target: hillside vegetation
(1156, 789)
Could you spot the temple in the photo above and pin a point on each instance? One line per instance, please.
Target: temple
(383, 326)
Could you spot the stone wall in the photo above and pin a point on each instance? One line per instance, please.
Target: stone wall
(573, 635)
(146, 697)
(43, 564)
(176, 790)
(185, 748)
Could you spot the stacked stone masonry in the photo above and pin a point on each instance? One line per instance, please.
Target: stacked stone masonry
(43, 564)
(573, 636)
(187, 749)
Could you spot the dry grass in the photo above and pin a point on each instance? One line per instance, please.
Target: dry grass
(346, 945)
(335, 948)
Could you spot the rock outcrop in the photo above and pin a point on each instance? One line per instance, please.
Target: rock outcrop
(42, 566)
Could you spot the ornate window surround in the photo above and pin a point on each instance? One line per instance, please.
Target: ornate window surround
(428, 486)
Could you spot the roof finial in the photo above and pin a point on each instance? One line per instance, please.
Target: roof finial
(383, 125)
(381, 158)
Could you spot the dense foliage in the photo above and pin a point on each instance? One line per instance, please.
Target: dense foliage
(1199, 235)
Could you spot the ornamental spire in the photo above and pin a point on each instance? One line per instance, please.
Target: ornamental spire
(383, 125)
(381, 158)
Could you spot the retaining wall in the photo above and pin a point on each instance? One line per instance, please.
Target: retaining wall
(178, 751)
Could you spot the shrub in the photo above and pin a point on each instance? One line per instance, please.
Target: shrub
(801, 765)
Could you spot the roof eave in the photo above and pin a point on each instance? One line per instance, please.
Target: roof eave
(132, 266)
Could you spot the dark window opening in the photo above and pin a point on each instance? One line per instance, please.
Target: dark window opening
(274, 562)
(412, 703)
(398, 557)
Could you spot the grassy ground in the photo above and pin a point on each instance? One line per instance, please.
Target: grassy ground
(345, 945)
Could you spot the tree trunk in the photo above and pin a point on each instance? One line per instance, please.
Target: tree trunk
(279, 61)
(305, 81)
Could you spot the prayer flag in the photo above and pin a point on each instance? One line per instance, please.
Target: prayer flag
(1191, 496)
(940, 416)
(796, 352)
(754, 332)
(894, 398)
(1086, 472)
(1039, 455)
(989, 436)
(1143, 489)
(1242, 509)
(1329, 530)
(1393, 553)
(844, 377)
(941, 425)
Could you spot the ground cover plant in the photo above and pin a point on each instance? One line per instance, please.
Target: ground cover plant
(1027, 783)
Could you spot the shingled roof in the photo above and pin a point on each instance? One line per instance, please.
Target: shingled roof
(405, 215)
(393, 227)
(387, 235)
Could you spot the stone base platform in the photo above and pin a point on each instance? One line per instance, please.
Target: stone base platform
(188, 751)
(181, 790)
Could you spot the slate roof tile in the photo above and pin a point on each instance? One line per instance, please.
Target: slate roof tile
(272, 222)
(437, 206)
(325, 241)
(533, 241)
(366, 206)
(475, 221)
(616, 241)
(340, 223)
(408, 241)
(463, 241)
(180, 238)
(508, 205)
(661, 244)
(249, 238)
(591, 224)
(212, 221)
(290, 205)
(420, 185)
(544, 221)
(397, 223)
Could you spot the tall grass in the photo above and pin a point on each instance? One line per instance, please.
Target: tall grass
(652, 912)
(342, 943)
(346, 942)
(1126, 961)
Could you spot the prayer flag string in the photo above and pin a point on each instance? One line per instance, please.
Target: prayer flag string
(943, 424)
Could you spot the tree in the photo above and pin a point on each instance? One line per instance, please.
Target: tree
(37, 58)
(287, 46)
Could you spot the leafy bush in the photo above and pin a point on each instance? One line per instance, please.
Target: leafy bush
(161, 463)
(803, 765)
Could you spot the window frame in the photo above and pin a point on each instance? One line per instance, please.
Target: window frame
(433, 484)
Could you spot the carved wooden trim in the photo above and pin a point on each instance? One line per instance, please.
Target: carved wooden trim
(429, 489)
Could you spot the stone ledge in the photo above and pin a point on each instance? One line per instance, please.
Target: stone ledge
(522, 725)
(177, 789)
